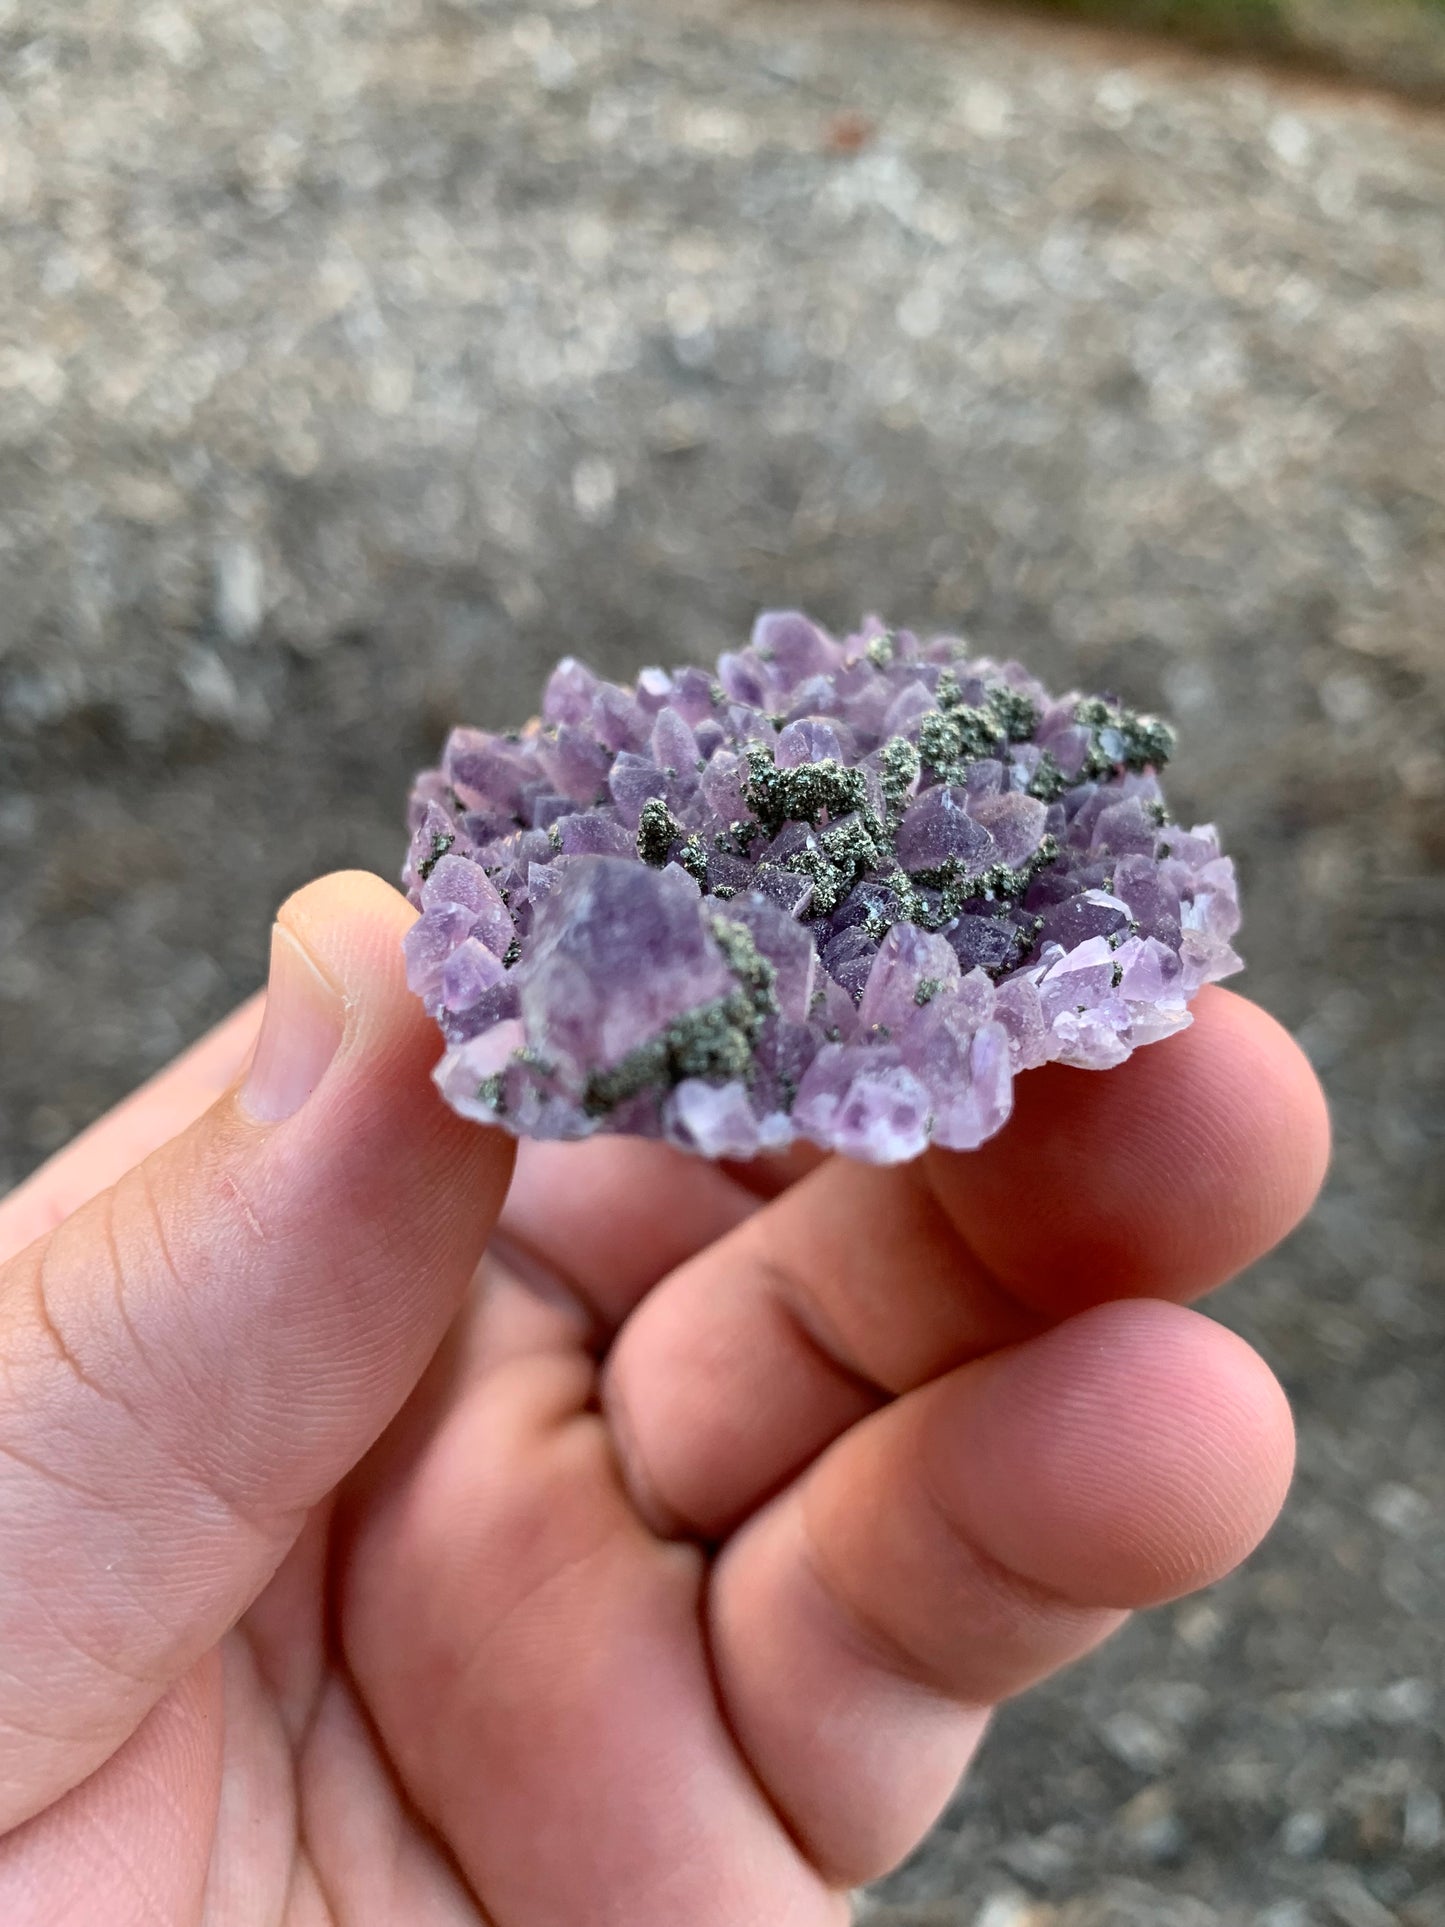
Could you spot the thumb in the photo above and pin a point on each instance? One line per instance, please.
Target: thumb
(195, 1357)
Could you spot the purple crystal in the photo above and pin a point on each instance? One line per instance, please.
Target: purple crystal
(938, 829)
(839, 890)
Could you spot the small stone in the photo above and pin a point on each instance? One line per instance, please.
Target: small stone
(821, 893)
(1424, 1828)
(1400, 1509)
(1303, 1834)
(240, 590)
(1351, 1903)
(1137, 1742)
(1405, 1702)
(1287, 1913)
(1426, 1909)
(1008, 1908)
(1150, 1827)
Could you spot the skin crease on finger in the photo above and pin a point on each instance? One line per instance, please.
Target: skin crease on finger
(522, 1663)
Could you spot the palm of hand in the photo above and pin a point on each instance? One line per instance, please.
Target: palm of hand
(679, 1589)
(487, 1625)
(485, 1628)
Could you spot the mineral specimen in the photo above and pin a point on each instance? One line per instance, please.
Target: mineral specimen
(838, 890)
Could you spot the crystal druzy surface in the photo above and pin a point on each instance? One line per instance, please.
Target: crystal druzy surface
(837, 890)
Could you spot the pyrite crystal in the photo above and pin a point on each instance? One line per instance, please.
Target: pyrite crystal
(843, 891)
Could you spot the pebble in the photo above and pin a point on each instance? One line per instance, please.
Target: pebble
(1303, 1835)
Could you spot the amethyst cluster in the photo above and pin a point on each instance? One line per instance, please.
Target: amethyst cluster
(836, 890)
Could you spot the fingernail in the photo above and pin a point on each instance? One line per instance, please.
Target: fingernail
(300, 1033)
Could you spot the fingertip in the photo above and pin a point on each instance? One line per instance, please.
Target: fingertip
(351, 924)
(342, 894)
(1126, 1457)
(970, 1538)
(378, 1095)
(1163, 1177)
(1280, 1111)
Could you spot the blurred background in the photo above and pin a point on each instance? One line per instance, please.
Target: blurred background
(1394, 43)
(358, 357)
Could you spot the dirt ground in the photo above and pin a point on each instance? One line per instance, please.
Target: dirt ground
(356, 359)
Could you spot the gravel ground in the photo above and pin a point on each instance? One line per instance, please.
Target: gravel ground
(356, 358)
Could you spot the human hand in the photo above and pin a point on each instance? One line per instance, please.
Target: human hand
(661, 1571)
